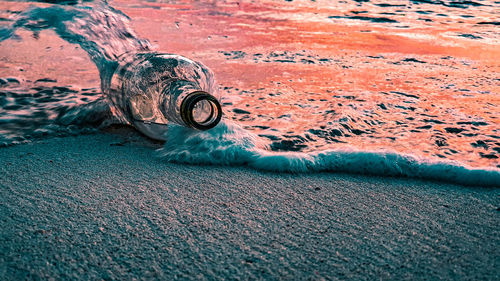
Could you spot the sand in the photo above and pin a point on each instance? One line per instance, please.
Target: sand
(103, 207)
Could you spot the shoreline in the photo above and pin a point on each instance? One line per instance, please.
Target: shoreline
(101, 206)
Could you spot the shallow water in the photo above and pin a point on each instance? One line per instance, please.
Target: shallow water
(411, 77)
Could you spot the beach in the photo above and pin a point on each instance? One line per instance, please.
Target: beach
(104, 207)
(308, 89)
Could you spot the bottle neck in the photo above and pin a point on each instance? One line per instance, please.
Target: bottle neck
(191, 106)
(201, 111)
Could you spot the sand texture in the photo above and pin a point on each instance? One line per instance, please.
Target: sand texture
(102, 207)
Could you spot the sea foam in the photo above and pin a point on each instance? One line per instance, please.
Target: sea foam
(230, 145)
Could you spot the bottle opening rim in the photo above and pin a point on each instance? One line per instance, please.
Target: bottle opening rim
(188, 107)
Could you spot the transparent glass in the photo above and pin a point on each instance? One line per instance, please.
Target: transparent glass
(150, 90)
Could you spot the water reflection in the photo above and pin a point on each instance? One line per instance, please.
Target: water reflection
(410, 76)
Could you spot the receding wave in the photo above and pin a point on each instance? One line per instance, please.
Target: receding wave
(229, 144)
(41, 111)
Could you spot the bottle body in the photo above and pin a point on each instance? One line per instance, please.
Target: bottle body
(150, 90)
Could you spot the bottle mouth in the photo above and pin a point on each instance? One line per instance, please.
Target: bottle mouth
(201, 111)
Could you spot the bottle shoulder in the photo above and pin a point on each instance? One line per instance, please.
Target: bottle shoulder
(150, 67)
(158, 57)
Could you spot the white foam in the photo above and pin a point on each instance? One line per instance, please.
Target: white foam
(229, 144)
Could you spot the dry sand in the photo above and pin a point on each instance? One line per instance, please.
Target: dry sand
(102, 207)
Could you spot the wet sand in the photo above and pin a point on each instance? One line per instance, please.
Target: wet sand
(103, 207)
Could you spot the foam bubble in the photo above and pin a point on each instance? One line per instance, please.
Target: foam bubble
(229, 144)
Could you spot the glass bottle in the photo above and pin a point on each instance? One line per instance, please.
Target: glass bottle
(150, 90)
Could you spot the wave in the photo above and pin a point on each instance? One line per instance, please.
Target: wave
(229, 144)
(38, 112)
